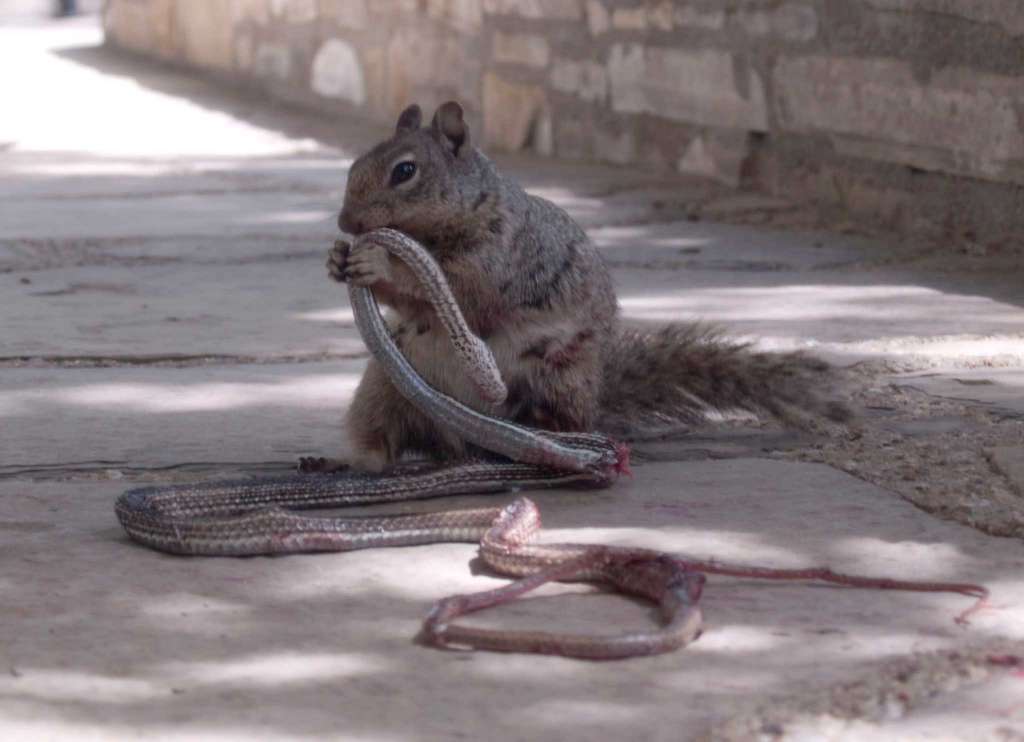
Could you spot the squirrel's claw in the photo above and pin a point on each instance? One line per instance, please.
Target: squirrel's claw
(367, 265)
(337, 261)
(320, 465)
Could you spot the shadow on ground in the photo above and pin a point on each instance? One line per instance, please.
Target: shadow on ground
(113, 634)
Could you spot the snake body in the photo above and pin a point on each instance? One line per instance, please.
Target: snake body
(249, 517)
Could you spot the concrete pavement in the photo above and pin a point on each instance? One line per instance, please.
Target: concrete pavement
(167, 317)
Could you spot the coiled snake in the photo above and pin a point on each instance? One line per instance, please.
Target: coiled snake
(249, 517)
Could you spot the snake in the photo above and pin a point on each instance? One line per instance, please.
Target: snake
(263, 516)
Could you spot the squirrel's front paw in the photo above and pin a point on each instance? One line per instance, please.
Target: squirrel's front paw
(367, 265)
(337, 260)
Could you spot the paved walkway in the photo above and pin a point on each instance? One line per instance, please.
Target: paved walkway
(167, 317)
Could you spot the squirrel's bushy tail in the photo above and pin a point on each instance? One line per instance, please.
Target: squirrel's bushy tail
(683, 372)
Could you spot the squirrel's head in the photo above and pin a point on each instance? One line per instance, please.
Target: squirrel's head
(410, 182)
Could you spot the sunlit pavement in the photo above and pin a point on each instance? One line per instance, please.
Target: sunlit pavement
(167, 316)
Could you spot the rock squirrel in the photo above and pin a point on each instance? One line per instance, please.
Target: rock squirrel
(534, 287)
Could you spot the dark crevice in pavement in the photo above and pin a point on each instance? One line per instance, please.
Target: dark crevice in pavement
(998, 412)
(659, 264)
(113, 470)
(136, 260)
(935, 451)
(667, 264)
(73, 243)
(300, 188)
(173, 360)
(34, 253)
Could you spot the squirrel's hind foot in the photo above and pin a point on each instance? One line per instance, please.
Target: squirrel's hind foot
(320, 465)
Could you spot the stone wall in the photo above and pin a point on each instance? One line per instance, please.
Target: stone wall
(906, 110)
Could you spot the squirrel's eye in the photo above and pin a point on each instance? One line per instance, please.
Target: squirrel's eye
(402, 172)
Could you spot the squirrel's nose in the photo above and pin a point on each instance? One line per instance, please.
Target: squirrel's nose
(348, 223)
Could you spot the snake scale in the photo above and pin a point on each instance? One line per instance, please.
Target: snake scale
(250, 517)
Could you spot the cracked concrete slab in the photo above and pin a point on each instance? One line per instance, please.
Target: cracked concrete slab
(166, 416)
(701, 246)
(277, 213)
(980, 699)
(219, 308)
(997, 387)
(1009, 461)
(268, 646)
(848, 314)
(129, 293)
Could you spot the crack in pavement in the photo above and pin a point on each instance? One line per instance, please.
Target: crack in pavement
(26, 254)
(51, 244)
(1004, 413)
(298, 188)
(103, 469)
(128, 261)
(174, 360)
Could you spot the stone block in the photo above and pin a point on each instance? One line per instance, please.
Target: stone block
(597, 17)
(386, 10)
(588, 80)
(511, 111)
(272, 61)
(430, 68)
(142, 27)
(557, 9)
(257, 11)
(708, 19)
(661, 17)
(1009, 461)
(790, 22)
(629, 19)
(336, 72)
(204, 33)
(465, 15)
(1004, 13)
(345, 13)
(544, 135)
(295, 11)
(718, 154)
(375, 74)
(245, 52)
(573, 140)
(618, 147)
(698, 86)
(959, 121)
(525, 49)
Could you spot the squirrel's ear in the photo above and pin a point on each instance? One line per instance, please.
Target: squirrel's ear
(448, 123)
(410, 119)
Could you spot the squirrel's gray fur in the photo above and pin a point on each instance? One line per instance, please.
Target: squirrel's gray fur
(532, 285)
